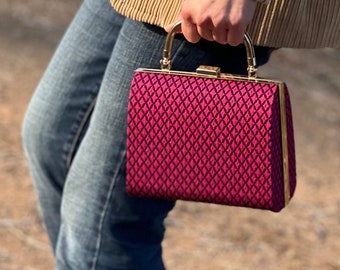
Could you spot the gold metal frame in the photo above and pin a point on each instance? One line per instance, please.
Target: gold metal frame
(284, 141)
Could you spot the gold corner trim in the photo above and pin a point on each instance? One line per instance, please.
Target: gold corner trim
(284, 141)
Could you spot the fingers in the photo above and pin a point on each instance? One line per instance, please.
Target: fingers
(221, 35)
(223, 21)
(236, 36)
(193, 33)
(190, 31)
(171, 25)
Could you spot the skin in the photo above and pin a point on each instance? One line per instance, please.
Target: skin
(223, 21)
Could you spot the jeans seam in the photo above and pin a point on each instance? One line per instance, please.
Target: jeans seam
(77, 135)
(104, 212)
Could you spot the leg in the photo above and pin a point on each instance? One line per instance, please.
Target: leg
(59, 110)
(102, 227)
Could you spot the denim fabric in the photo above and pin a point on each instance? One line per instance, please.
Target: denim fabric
(74, 138)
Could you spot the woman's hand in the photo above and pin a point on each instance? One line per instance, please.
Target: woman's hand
(223, 21)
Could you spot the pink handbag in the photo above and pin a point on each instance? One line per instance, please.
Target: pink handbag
(210, 137)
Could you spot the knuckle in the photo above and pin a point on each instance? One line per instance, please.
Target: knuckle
(220, 22)
(235, 20)
(203, 22)
(186, 14)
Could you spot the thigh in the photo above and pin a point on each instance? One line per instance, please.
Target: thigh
(61, 105)
(58, 113)
(102, 227)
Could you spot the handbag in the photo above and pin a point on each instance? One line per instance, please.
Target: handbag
(210, 137)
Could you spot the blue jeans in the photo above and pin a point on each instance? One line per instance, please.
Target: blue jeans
(74, 138)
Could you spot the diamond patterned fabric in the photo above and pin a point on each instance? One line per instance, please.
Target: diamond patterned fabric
(208, 140)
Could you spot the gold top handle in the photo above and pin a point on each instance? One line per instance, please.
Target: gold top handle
(166, 59)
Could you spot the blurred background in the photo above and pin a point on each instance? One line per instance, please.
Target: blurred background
(305, 235)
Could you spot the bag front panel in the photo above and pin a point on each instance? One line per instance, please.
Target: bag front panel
(204, 139)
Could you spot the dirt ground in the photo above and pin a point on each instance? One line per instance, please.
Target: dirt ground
(304, 236)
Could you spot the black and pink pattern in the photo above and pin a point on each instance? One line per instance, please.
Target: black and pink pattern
(205, 139)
